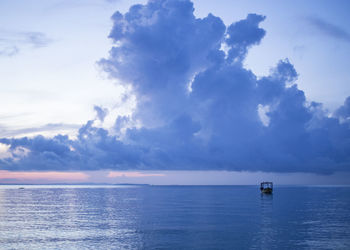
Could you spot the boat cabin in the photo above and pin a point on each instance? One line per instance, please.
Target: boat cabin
(266, 187)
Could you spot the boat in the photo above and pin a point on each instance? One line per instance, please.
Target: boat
(266, 187)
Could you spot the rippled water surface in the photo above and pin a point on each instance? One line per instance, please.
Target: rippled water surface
(174, 217)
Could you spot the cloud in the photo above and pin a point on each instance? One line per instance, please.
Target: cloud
(343, 112)
(51, 127)
(36, 39)
(329, 29)
(12, 42)
(197, 107)
(243, 34)
(100, 112)
(71, 176)
(8, 50)
(114, 174)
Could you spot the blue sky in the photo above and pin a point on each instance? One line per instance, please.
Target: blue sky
(129, 110)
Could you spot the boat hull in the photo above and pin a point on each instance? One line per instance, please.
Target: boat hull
(266, 191)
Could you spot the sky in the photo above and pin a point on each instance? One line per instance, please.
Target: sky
(174, 92)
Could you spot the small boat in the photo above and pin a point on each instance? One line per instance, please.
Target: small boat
(266, 187)
(21, 188)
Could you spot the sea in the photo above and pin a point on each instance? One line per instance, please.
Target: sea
(173, 217)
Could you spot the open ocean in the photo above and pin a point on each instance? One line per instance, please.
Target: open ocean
(173, 217)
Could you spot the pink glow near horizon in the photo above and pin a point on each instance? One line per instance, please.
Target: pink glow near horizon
(114, 174)
(51, 175)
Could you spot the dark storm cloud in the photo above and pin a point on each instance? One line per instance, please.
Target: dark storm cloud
(198, 106)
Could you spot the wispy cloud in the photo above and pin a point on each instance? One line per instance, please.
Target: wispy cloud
(68, 4)
(8, 50)
(36, 39)
(114, 174)
(51, 127)
(329, 29)
(11, 42)
(52, 175)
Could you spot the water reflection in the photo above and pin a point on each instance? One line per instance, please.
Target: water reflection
(64, 218)
(174, 217)
(264, 237)
(325, 223)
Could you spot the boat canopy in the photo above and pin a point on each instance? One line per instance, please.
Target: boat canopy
(266, 184)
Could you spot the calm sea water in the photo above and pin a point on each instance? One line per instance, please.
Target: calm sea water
(174, 217)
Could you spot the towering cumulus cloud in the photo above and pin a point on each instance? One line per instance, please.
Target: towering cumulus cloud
(197, 106)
